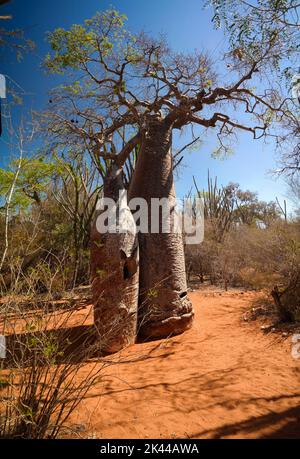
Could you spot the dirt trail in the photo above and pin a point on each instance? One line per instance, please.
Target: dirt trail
(221, 379)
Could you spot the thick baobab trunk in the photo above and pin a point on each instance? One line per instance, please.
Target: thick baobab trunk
(164, 308)
(114, 274)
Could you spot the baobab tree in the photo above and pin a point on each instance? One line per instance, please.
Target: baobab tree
(122, 91)
(114, 272)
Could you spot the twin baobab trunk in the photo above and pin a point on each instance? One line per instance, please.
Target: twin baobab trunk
(164, 308)
(114, 274)
(160, 282)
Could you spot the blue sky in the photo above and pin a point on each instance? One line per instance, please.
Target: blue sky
(187, 27)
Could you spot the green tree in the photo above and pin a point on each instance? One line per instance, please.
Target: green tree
(34, 178)
(251, 28)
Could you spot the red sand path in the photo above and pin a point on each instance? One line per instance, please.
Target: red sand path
(224, 378)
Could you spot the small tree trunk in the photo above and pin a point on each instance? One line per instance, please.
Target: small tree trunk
(284, 314)
(114, 276)
(164, 308)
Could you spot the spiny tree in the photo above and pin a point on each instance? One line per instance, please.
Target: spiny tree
(116, 81)
(228, 206)
(219, 205)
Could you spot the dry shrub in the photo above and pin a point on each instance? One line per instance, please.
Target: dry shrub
(54, 357)
(256, 258)
(41, 256)
(40, 382)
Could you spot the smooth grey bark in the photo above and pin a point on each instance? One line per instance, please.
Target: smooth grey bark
(164, 307)
(114, 277)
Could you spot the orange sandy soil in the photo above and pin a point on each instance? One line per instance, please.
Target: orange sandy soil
(223, 378)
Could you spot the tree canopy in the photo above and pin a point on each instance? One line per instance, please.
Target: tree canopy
(114, 80)
(254, 26)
